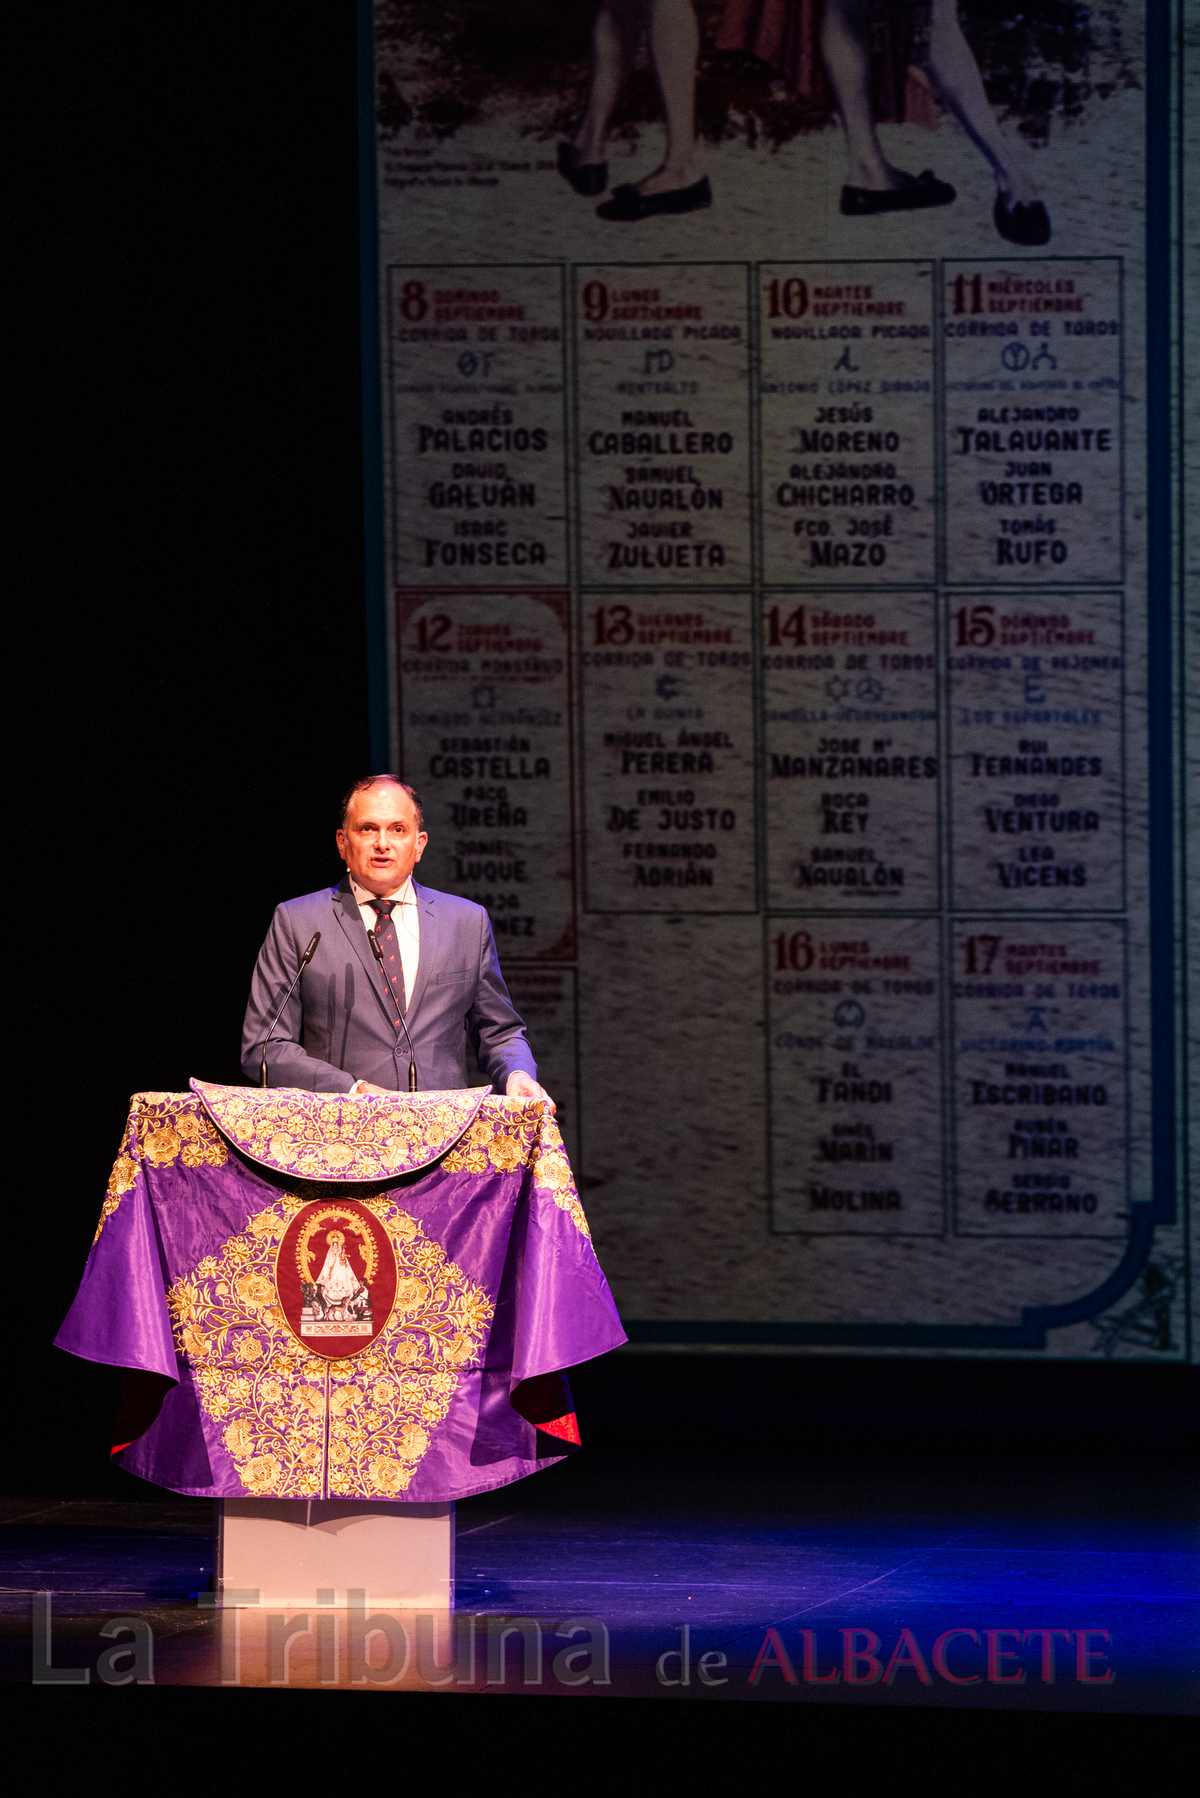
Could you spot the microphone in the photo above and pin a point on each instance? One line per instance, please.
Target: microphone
(304, 961)
(377, 952)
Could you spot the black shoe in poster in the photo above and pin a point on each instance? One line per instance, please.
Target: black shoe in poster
(631, 204)
(587, 178)
(1028, 225)
(911, 194)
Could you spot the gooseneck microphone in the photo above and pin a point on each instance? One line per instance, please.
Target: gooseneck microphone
(304, 961)
(377, 952)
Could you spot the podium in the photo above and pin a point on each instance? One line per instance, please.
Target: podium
(365, 1308)
(289, 1552)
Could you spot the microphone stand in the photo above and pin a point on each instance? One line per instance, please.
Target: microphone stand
(377, 952)
(304, 961)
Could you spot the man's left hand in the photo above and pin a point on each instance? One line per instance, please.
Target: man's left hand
(521, 1086)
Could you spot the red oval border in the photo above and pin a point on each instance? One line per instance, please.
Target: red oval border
(382, 1286)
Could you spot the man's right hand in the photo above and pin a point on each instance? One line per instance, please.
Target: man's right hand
(361, 1087)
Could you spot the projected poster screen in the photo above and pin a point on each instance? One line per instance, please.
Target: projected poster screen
(767, 539)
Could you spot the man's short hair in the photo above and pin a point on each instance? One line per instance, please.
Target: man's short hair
(374, 780)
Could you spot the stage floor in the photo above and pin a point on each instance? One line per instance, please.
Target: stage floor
(925, 1524)
(629, 1579)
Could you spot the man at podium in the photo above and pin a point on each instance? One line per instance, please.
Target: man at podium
(402, 977)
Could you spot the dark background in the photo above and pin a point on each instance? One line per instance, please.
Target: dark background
(189, 686)
(188, 654)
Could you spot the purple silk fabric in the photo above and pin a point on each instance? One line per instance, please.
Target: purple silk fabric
(497, 1283)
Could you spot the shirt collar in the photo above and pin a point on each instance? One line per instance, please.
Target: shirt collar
(404, 895)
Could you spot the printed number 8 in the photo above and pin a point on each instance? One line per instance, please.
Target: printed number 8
(413, 304)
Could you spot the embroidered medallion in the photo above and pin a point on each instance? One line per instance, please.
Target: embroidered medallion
(335, 1278)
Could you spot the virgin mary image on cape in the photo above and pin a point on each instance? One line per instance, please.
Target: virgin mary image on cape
(340, 1296)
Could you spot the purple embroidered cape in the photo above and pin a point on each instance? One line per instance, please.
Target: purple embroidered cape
(345, 1291)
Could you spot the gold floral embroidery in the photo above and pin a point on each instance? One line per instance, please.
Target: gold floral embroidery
(298, 1426)
(160, 1128)
(505, 1137)
(552, 1172)
(330, 1136)
(505, 1154)
(501, 1137)
(162, 1145)
(255, 1289)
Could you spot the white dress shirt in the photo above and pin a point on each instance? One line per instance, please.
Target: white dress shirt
(408, 935)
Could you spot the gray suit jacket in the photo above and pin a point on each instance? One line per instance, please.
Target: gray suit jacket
(339, 1026)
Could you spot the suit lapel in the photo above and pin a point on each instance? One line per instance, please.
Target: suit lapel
(427, 914)
(350, 918)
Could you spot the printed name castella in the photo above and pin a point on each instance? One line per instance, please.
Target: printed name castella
(514, 765)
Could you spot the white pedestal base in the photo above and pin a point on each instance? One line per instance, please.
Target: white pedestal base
(286, 1552)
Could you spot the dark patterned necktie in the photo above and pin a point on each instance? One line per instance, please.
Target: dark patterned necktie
(385, 936)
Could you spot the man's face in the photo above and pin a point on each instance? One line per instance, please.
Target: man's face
(379, 842)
